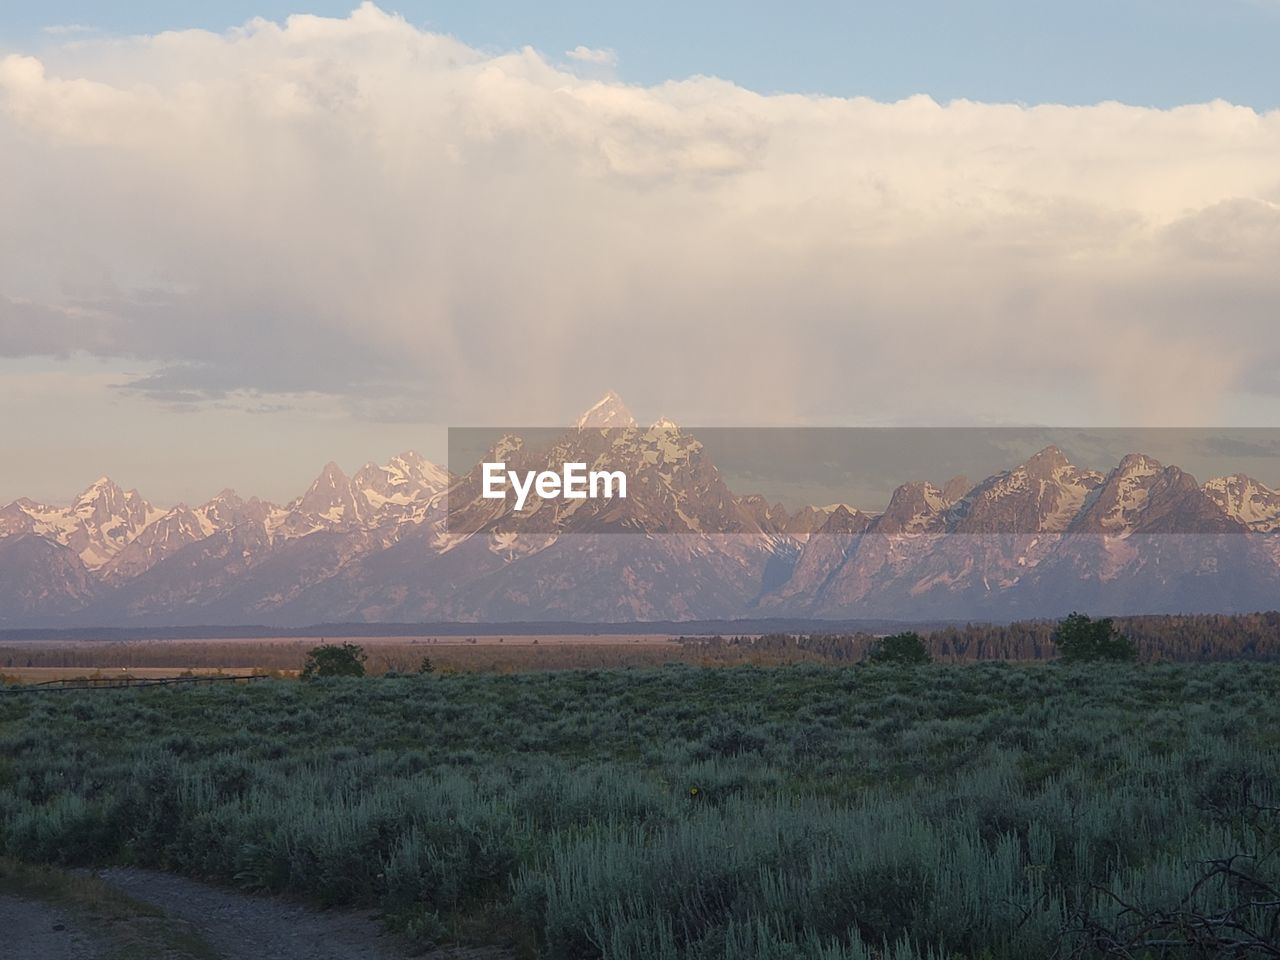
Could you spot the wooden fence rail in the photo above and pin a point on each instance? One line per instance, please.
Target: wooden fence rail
(116, 683)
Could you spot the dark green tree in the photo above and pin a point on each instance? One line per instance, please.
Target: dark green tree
(426, 666)
(1080, 639)
(901, 648)
(334, 660)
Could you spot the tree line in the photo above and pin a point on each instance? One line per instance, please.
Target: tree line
(1181, 637)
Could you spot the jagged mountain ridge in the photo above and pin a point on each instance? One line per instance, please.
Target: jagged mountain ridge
(1038, 539)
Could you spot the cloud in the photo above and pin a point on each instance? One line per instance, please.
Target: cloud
(65, 29)
(1240, 231)
(364, 210)
(596, 56)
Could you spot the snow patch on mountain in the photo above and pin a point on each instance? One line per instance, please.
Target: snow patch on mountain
(1254, 504)
(609, 411)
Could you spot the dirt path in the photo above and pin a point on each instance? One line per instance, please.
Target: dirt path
(46, 914)
(38, 931)
(242, 927)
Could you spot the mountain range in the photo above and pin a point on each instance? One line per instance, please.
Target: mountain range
(407, 542)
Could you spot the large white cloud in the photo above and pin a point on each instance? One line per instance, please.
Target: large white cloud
(362, 208)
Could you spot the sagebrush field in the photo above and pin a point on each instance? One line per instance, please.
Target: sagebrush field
(745, 813)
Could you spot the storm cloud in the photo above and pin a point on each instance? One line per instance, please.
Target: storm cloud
(363, 209)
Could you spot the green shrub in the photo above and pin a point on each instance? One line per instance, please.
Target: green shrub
(901, 648)
(334, 660)
(992, 811)
(1080, 639)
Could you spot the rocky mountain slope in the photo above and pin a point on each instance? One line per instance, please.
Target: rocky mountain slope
(404, 541)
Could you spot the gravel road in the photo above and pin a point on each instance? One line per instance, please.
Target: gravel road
(230, 925)
(38, 931)
(242, 927)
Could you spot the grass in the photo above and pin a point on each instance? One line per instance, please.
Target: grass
(936, 813)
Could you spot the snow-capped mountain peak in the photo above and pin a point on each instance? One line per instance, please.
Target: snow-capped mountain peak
(406, 483)
(1041, 535)
(1047, 463)
(332, 499)
(1241, 497)
(914, 508)
(98, 524)
(608, 411)
(1122, 496)
(1138, 465)
(1040, 495)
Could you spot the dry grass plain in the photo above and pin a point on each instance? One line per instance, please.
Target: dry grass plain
(39, 660)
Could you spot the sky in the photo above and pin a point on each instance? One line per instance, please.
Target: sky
(1148, 52)
(240, 244)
